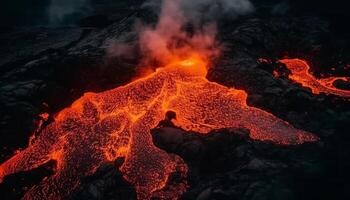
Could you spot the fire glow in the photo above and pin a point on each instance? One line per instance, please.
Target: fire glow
(300, 73)
(101, 127)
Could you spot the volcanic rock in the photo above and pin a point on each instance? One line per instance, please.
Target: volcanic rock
(57, 65)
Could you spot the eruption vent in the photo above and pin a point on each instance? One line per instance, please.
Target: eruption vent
(300, 73)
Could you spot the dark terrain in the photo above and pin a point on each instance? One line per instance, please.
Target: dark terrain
(45, 66)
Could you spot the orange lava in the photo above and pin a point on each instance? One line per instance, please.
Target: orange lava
(101, 127)
(300, 73)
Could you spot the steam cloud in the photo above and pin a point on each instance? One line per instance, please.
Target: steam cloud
(184, 26)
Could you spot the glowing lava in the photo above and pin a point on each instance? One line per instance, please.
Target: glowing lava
(101, 127)
(300, 73)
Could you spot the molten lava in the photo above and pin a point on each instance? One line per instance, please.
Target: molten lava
(101, 127)
(300, 73)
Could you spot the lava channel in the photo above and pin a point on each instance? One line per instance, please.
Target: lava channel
(101, 127)
(300, 73)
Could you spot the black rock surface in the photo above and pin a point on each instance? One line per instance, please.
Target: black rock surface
(45, 68)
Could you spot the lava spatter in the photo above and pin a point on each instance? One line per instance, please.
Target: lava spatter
(300, 73)
(101, 127)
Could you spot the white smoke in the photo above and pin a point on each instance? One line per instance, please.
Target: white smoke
(169, 37)
(163, 40)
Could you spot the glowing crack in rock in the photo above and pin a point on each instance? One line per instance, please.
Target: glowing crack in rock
(300, 73)
(101, 127)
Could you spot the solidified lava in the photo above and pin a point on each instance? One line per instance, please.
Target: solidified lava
(300, 73)
(101, 127)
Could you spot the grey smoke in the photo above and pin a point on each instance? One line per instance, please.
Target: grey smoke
(174, 15)
(213, 9)
(281, 8)
(61, 11)
(202, 11)
(168, 38)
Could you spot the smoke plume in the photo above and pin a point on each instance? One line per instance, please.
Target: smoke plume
(184, 27)
(62, 11)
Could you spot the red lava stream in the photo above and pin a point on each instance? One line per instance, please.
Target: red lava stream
(101, 127)
(300, 73)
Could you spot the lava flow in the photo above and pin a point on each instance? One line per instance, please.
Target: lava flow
(300, 73)
(101, 127)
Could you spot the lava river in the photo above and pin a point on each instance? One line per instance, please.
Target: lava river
(300, 73)
(101, 127)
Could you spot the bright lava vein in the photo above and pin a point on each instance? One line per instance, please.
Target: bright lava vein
(300, 73)
(101, 127)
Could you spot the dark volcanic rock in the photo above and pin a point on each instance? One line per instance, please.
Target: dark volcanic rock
(44, 69)
(107, 183)
(231, 166)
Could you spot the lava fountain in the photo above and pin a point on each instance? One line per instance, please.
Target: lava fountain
(102, 127)
(300, 73)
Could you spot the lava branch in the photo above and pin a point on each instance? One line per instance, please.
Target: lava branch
(300, 73)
